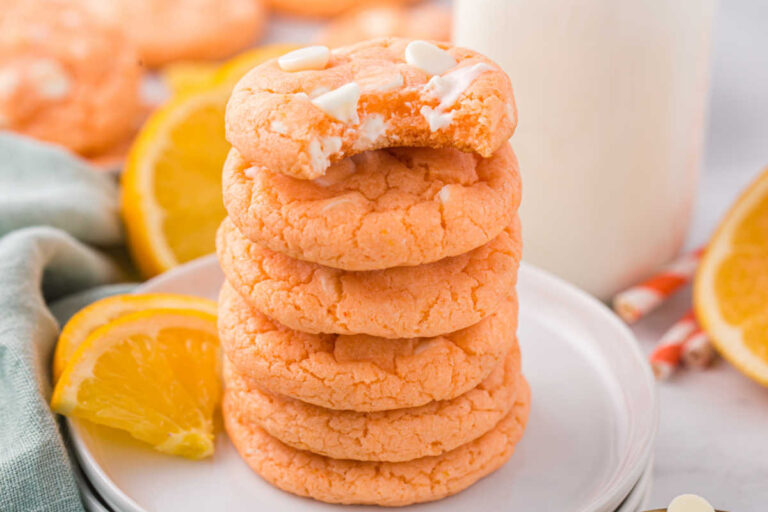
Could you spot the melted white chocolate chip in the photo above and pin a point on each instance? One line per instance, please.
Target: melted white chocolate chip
(448, 89)
(341, 103)
(305, 59)
(428, 57)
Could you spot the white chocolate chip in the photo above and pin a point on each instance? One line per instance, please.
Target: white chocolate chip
(51, 81)
(250, 172)
(424, 345)
(436, 118)
(373, 128)
(9, 82)
(341, 103)
(321, 150)
(395, 82)
(448, 89)
(690, 503)
(445, 194)
(336, 202)
(305, 59)
(428, 57)
(278, 127)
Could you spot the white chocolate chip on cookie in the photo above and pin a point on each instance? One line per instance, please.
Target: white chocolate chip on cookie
(341, 103)
(428, 57)
(304, 59)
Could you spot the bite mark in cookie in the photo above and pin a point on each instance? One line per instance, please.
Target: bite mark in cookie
(470, 109)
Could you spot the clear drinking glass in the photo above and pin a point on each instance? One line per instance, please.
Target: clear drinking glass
(611, 96)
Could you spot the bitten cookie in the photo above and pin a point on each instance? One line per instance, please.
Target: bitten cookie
(378, 209)
(361, 372)
(401, 302)
(66, 76)
(299, 113)
(323, 8)
(393, 436)
(428, 21)
(172, 30)
(376, 483)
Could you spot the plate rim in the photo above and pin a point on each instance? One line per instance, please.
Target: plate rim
(615, 493)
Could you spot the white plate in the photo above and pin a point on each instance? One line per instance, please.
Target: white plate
(640, 494)
(589, 438)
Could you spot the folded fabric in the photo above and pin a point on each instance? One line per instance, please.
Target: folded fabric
(50, 203)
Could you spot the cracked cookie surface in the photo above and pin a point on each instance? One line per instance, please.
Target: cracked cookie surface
(401, 302)
(377, 483)
(273, 120)
(362, 372)
(394, 436)
(378, 209)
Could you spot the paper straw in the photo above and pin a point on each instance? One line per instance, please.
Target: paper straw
(636, 302)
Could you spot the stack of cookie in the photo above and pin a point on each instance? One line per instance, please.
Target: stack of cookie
(371, 254)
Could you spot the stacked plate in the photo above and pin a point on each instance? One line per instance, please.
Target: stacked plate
(587, 447)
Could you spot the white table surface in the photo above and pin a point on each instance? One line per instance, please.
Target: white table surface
(713, 435)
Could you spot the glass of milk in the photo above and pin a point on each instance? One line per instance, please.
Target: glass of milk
(611, 96)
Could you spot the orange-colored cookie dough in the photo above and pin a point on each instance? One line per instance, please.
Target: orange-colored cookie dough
(378, 209)
(377, 483)
(361, 372)
(172, 30)
(401, 302)
(323, 8)
(298, 114)
(66, 75)
(429, 21)
(393, 436)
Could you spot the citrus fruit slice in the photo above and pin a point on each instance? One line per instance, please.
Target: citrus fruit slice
(171, 186)
(154, 374)
(88, 319)
(731, 286)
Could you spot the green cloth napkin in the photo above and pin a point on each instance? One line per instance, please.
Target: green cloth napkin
(51, 205)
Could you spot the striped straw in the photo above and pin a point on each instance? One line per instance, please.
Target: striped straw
(666, 357)
(637, 301)
(698, 352)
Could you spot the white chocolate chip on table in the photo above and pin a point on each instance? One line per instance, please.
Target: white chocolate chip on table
(688, 503)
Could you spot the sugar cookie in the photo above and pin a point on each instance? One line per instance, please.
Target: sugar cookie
(66, 76)
(428, 21)
(371, 95)
(323, 8)
(401, 302)
(378, 209)
(393, 436)
(361, 372)
(172, 30)
(377, 483)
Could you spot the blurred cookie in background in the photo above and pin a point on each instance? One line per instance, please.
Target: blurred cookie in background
(173, 30)
(326, 8)
(66, 76)
(428, 21)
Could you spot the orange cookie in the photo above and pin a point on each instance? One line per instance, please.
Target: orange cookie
(172, 30)
(361, 372)
(378, 209)
(377, 483)
(401, 302)
(429, 21)
(299, 113)
(393, 436)
(322, 8)
(66, 75)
